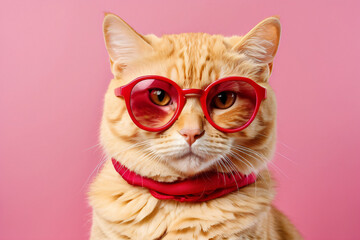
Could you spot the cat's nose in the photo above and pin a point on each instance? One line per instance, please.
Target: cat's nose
(191, 135)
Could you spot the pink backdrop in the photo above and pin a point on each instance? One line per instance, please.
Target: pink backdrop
(54, 71)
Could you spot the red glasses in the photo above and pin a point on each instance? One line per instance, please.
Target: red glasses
(154, 103)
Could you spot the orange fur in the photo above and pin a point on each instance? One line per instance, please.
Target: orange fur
(192, 60)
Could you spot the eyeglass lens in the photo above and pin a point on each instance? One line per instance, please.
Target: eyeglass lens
(153, 102)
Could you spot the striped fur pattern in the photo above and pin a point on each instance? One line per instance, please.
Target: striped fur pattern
(192, 60)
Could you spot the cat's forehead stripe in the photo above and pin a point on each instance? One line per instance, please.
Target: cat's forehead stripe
(191, 53)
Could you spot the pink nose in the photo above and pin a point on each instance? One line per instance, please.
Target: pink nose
(191, 135)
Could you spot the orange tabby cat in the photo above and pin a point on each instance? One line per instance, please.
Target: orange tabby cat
(192, 60)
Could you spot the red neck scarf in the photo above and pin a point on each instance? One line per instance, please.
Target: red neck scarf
(201, 188)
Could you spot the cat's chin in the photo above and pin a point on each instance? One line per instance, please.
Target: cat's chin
(190, 164)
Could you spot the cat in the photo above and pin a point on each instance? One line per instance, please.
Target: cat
(191, 146)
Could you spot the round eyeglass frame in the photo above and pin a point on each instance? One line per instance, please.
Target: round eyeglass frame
(125, 92)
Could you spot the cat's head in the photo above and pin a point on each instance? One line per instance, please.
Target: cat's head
(192, 60)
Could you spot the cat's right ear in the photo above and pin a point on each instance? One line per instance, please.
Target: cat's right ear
(123, 43)
(261, 43)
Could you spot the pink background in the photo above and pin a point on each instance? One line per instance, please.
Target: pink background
(54, 72)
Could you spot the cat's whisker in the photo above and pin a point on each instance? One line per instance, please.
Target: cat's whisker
(96, 169)
(283, 156)
(281, 142)
(280, 154)
(254, 182)
(223, 165)
(252, 167)
(289, 159)
(148, 154)
(278, 170)
(219, 165)
(247, 163)
(232, 170)
(105, 157)
(249, 150)
(260, 157)
(94, 146)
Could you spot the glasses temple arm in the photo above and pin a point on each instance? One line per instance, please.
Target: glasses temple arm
(118, 92)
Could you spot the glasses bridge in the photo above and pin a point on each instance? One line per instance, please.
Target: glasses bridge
(192, 92)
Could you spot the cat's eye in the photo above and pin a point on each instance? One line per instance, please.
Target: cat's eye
(159, 97)
(224, 100)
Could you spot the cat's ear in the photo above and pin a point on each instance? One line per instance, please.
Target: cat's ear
(123, 43)
(261, 43)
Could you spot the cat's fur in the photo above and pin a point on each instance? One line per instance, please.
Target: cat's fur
(192, 60)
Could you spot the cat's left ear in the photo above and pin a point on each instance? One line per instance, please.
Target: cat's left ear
(123, 43)
(261, 43)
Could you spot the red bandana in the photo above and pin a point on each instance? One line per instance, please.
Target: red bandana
(201, 188)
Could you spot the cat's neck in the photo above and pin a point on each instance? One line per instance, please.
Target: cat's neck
(129, 207)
